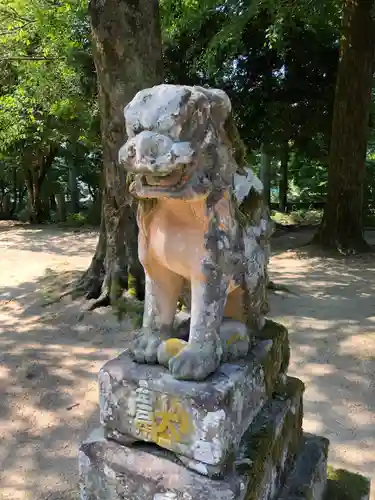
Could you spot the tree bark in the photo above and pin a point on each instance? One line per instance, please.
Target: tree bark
(342, 224)
(283, 184)
(265, 173)
(128, 57)
(15, 191)
(52, 203)
(73, 189)
(36, 172)
(60, 206)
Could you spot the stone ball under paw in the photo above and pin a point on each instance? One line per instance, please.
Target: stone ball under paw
(168, 349)
(235, 340)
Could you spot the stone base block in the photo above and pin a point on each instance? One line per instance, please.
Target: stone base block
(269, 447)
(202, 423)
(110, 471)
(308, 479)
(266, 455)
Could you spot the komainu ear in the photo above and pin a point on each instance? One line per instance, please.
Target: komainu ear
(220, 104)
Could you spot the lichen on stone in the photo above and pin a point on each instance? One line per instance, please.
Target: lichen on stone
(277, 360)
(266, 443)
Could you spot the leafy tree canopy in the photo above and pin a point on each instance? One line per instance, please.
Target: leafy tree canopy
(277, 61)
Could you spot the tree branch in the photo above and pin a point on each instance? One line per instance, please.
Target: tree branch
(36, 58)
(16, 28)
(10, 12)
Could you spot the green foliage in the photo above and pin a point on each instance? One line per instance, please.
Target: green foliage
(345, 485)
(276, 60)
(88, 217)
(309, 178)
(43, 103)
(277, 68)
(75, 220)
(47, 96)
(131, 308)
(297, 217)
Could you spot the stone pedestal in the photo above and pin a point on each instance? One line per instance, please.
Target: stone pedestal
(238, 435)
(109, 471)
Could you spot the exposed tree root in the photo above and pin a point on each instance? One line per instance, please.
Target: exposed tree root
(342, 246)
(274, 287)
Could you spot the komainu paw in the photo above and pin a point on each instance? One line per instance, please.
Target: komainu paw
(196, 362)
(145, 347)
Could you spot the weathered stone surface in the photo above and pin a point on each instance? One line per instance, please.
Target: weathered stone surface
(233, 336)
(269, 447)
(278, 358)
(267, 452)
(308, 480)
(110, 471)
(184, 155)
(203, 422)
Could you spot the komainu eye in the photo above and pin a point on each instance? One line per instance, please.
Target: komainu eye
(131, 151)
(138, 129)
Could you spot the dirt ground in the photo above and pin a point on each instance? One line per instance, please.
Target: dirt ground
(50, 356)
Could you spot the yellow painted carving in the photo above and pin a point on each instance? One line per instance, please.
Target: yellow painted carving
(172, 423)
(144, 429)
(174, 346)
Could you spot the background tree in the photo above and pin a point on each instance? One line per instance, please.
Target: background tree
(127, 52)
(67, 71)
(277, 65)
(43, 104)
(342, 223)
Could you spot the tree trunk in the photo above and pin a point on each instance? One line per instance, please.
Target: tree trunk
(34, 202)
(342, 224)
(15, 191)
(73, 189)
(283, 184)
(7, 205)
(265, 173)
(38, 165)
(60, 206)
(127, 53)
(52, 203)
(22, 193)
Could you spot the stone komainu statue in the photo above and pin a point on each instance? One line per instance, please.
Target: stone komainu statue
(184, 155)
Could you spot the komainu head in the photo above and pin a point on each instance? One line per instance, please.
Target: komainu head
(177, 143)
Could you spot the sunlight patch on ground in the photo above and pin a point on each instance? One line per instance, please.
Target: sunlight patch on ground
(50, 358)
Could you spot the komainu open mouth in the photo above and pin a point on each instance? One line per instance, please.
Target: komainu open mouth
(174, 179)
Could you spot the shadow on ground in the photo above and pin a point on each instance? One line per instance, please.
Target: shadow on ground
(49, 362)
(50, 358)
(331, 321)
(45, 239)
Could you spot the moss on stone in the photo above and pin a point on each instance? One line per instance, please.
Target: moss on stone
(132, 286)
(276, 361)
(264, 442)
(129, 307)
(344, 485)
(293, 386)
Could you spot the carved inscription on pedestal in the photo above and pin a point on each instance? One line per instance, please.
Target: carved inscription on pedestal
(144, 415)
(161, 418)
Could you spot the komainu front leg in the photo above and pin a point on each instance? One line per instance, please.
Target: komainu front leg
(203, 354)
(161, 294)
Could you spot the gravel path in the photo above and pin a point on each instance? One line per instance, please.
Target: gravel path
(49, 357)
